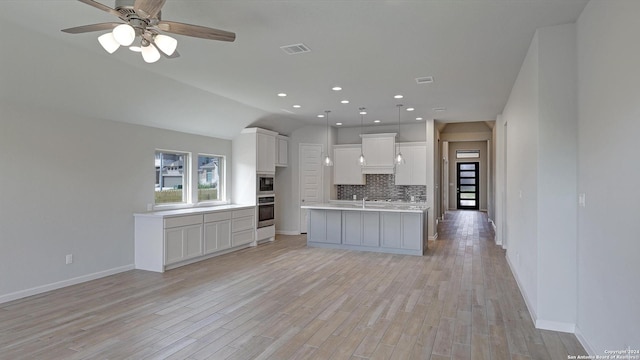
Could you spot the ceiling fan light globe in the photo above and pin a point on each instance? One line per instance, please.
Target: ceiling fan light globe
(108, 42)
(150, 54)
(166, 44)
(124, 34)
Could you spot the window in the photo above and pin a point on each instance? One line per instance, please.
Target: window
(467, 154)
(210, 177)
(171, 182)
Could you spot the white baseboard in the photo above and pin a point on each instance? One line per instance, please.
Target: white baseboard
(532, 313)
(64, 283)
(555, 326)
(434, 237)
(583, 341)
(287, 232)
(495, 231)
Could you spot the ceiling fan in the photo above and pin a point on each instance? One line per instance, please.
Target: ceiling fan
(142, 20)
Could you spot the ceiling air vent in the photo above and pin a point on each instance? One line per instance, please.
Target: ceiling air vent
(295, 49)
(424, 80)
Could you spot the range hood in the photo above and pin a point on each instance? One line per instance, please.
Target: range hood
(379, 151)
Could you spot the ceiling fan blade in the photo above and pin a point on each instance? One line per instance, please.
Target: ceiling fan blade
(148, 8)
(102, 7)
(196, 31)
(90, 28)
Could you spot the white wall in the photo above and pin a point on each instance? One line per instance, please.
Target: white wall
(609, 124)
(541, 178)
(70, 185)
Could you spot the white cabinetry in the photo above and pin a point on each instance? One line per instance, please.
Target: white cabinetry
(414, 170)
(266, 153)
(346, 170)
(217, 231)
(379, 152)
(282, 151)
(168, 239)
(183, 238)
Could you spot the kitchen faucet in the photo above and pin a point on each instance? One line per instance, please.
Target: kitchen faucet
(364, 198)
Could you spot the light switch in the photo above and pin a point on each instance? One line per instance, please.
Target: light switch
(582, 200)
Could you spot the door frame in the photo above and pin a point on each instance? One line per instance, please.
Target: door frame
(302, 224)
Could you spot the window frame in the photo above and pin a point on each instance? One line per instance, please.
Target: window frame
(222, 165)
(186, 180)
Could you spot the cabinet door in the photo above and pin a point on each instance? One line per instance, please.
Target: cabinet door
(182, 243)
(352, 227)
(217, 236)
(379, 151)
(282, 150)
(411, 231)
(419, 165)
(346, 170)
(371, 228)
(325, 226)
(404, 171)
(391, 229)
(266, 147)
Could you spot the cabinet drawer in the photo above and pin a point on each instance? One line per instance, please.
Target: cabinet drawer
(217, 216)
(244, 223)
(242, 237)
(182, 221)
(243, 213)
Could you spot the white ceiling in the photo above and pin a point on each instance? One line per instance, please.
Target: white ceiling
(372, 49)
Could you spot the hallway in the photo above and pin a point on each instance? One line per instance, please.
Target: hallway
(284, 300)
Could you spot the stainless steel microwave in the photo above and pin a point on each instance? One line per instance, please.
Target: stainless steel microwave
(265, 184)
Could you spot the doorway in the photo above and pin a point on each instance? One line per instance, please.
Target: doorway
(468, 185)
(311, 189)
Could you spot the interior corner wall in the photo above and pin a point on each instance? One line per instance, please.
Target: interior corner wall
(608, 226)
(521, 113)
(541, 178)
(500, 186)
(71, 185)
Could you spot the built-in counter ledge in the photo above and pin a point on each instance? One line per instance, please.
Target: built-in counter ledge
(373, 206)
(193, 210)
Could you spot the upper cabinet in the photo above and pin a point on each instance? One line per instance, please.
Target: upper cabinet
(282, 151)
(414, 169)
(379, 152)
(346, 170)
(266, 147)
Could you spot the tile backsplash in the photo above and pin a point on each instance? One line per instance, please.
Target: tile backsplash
(382, 186)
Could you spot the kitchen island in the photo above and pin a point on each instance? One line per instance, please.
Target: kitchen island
(379, 227)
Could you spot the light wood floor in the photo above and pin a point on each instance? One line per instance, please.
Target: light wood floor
(285, 301)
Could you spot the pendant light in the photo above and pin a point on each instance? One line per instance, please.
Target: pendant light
(327, 158)
(361, 160)
(399, 159)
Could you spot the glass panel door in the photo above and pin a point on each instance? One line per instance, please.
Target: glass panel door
(468, 185)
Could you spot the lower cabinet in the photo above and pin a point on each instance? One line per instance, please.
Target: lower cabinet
(381, 231)
(167, 241)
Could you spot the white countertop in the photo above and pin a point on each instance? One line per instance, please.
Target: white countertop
(369, 206)
(194, 210)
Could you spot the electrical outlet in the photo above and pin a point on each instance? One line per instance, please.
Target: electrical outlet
(149, 207)
(69, 259)
(582, 200)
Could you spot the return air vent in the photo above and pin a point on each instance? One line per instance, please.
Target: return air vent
(424, 80)
(295, 49)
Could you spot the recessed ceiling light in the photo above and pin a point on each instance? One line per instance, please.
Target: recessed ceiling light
(398, 97)
(336, 88)
(410, 109)
(321, 115)
(376, 121)
(418, 118)
(297, 106)
(338, 124)
(282, 94)
(363, 113)
(345, 101)
(439, 109)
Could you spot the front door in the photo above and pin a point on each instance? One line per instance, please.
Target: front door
(468, 185)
